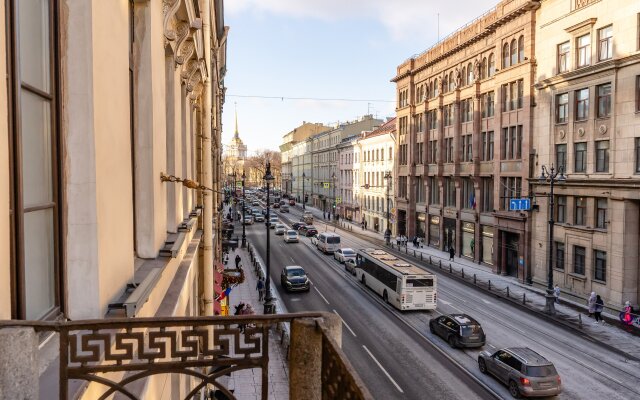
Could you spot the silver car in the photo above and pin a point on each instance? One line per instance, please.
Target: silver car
(524, 371)
(280, 229)
(291, 236)
(342, 255)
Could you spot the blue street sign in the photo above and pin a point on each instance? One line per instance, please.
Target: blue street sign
(519, 204)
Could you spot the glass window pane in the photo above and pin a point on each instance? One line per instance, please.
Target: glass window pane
(36, 150)
(34, 43)
(39, 263)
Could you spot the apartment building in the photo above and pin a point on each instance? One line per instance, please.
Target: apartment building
(109, 123)
(289, 140)
(376, 152)
(586, 124)
(464, 132)
(346, 205)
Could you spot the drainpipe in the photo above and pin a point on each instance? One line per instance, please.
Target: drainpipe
(207, 170)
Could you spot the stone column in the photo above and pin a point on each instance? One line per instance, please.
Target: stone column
(305, 360)
(18, 363)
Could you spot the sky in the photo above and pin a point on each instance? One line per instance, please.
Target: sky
(327, 52)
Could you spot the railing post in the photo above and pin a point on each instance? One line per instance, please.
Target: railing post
(489, 284)
(19, 375)
(450, 268)
(462, 273)
(440, 265)
(524, 298)
(305, 355)
(420, 256)
(414, 253)
(507, 291)
(580, 321)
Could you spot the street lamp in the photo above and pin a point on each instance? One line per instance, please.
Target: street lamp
(552, 176)
(304, 199)
(333, 178)
(269, 307)
(387, 233)
(244, 204)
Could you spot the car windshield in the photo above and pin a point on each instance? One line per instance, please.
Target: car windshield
(291, 233)
(348, 252)
(468, 330)
(280, 226)
(309, 227)
(333, 240)
(295, 272)
(541, 371)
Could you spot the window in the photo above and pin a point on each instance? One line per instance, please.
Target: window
(582, 104)
(448, 144)
(559, 253)
(561, 209)
(604, 100)
(514, 52)
(605, 43)
(505, 55)
(601, 213)
(562, 108)
(578, 259)
(445, 84)
(561, 157)
(487, 104)
(580, 157)
(521, 49)
(600, 265)
(520, 93)
(467, 148)
(492, 65)
(510, 189)
(504, 95)
(419, 122)
(470, 76)
(637, 154)
(564, 50)
(487, 146)
(468, 194)
(581, 207)
(448, 115)
(452, 82)
(434, 191)
(402, 126)
(433, 152)
(432, 119)
(512, 143)
(449, 192)
(487, 194)
(34, 186)
(420, 190)
(402, 154)
(420, 153)
(467, 110)
(484, 69)
(584, 50)
(513, 95)
(602, 156)
(402, 186)
(463, 76)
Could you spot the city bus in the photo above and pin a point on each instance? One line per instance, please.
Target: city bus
(401, 284)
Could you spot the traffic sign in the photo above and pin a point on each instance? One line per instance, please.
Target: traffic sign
(338, 200)
(519, 204)
(325, 185)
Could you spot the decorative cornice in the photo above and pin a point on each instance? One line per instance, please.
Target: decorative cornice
(188, 69)
(184, 52)
(169, 9)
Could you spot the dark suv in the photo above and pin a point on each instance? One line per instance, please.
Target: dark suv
(293, 278)
(524, 371)
(459, 330)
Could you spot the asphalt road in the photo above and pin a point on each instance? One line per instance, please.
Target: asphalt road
(398, 357)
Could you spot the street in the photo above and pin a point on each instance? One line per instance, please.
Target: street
(398, 357)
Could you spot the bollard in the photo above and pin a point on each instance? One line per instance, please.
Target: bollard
(450, 268)
(440, 264)
(420, 256)
(580, 321)
(474, 279)
(462, 273)
(507, 291)
(414, 253)
(406, 249)
(489, 285)
(524, 298)
(430, 260)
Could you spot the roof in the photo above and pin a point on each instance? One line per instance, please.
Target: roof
(529, 356)
(395, 263)
(387, 127)
(463, 319)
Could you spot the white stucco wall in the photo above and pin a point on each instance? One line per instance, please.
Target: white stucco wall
(5, 273)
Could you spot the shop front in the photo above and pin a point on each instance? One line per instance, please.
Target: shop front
(449, 233)
(486, 255)
(421, 224)
(434, 231)
(468, 239)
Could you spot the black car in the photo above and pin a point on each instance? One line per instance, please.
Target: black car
(459, 330)
(293, 278)
(308, 230)
(297, 225)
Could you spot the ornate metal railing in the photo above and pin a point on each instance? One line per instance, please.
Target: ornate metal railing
(117, 353)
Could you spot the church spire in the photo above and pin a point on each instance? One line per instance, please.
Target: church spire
(236, 135)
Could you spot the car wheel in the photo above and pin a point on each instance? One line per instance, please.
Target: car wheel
(514, 390)
(452, 341)
(432, 329)
(482, 365)
(385, 296)
(364, 280)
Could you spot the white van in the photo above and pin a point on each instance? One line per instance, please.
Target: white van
(328, 242)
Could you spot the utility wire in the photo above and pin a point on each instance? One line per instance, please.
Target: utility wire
(282, 98)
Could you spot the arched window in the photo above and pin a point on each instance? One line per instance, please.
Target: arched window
(505, 55)
(514, 52)
(470, 76)
(521, 49)
(452, 83)
(492, 65)
(427, 87)
(464, 76)
(483, 68)
(445, 84)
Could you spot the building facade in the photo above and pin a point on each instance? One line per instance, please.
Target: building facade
(290, 139)
(587, 124)
(463, 135)
(346, 206)
(301, 169)
(109, 163)
(376, 152)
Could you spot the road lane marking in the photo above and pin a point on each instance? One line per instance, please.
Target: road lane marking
(383, 370)
(486, 301)
(451, 305)
(323, 298)
(345, 324)
(492, 346)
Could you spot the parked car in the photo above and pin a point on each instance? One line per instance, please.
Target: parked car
(297, 225)
(459, 330)
(293, 278)
(255, 203)
(342, 255)
(350, 265)
(284, 208)
(291, 236)
(524, 371)
(280, 229)
(273, 222)
(292, 202)
(248, 220)
(276, 205)
(258, 217)
(308, 230)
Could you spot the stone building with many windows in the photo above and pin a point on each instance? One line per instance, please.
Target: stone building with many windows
(587, 122)
(464, 139)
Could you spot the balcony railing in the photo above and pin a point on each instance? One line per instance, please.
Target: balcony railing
(120, 353)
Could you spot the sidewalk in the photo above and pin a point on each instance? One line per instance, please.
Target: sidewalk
(572, 313)
(248, 383)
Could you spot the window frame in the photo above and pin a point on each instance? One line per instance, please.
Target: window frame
(580, 211)
(602, 155)
(561, 163)
(559, 256)
(602, 207)
(562, 108)
(561, 209)
(608, 41)
(581, 104)
(600, 265)
(583, 50)
(564, 56)
(580, 147)
(603, 100)
(579, 260)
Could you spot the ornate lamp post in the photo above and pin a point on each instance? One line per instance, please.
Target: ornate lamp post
(244, 204)
(552, 176)
(304, 199)
(269, 307)
(388, 177)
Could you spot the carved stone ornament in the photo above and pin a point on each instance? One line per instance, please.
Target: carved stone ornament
(602, 129)
(188, 69)
(184, 52)
(439, 83)
(458, 78)
(476, 71)
(562, 133)
(197, 91)
(169, 9)
(581, 132)
(182, 34)
(193, 80)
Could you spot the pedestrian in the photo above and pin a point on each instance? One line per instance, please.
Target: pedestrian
(591, 303)
(415, 241)
(556, 292)
(598, 309)
(237, 259)
(625, 315)
(260, 289)
(398, 240)
(387, 236)
(452, 253)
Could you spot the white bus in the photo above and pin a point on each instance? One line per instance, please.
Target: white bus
(403, 285)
